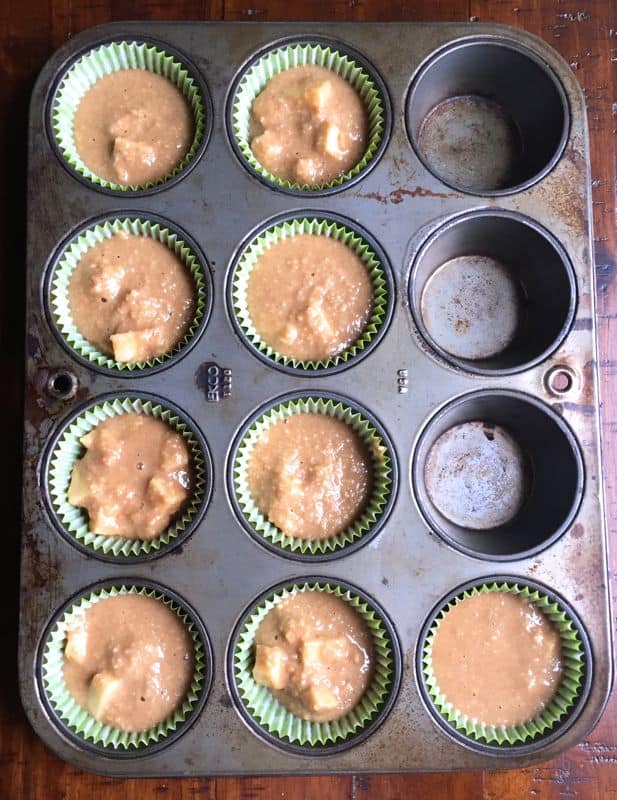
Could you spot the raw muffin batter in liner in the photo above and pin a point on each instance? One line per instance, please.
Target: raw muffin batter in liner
(134, 478)
(309, 297)
(497, 658)
(311, 475)
(315, 654)
(132, 297)
(129, 661)
(308, 126)
(133, 127)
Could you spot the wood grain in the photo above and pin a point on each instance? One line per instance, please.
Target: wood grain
(586, 35)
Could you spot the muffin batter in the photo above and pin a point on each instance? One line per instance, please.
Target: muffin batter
(129, 661)
(497, 658)
(134, 477)
(311, 475)
(309, 297)
(133, 127)
(315, 654)
(308, 126)
(475, 475)
(131, 297)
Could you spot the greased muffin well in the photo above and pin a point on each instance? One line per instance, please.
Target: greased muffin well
(128, 661)
(476, 475)
(309, 297)
(308, 126)
(314, 653)
(134, 477)
(133, 127)
(131, 297)
(310, 474)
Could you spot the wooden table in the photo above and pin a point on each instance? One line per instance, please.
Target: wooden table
(585, 33)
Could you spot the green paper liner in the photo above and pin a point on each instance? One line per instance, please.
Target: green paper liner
(382, 476)
(573, 664)
(67, 449)
(75, 717)
(68, 261)
(272, 716)
(282, 58)
(104, 60)
(321, 227)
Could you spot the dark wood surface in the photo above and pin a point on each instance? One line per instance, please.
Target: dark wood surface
(585, 32)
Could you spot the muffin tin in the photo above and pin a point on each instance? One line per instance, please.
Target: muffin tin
(543, 385)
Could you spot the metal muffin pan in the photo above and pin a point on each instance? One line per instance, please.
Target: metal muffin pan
(409, 386)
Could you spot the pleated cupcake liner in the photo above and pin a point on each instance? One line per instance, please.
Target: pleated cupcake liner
(280, 59)
(566, 694)
(69, 259)
(68, 449)
(383, 483)
(272, 716)
(317, 227)
(75, 717)
(104, 60)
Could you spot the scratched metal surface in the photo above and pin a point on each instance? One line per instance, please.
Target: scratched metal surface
(219, 570)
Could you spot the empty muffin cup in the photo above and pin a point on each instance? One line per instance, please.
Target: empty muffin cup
(112, 57)
(558, 713)
(382, 492)
(64, 451)
(297, 52)
(476, 128)
(492, 292)
(497, 474)
(75, 721)
(340, 230)
(475, 475)
(67, 258)
(267, 717)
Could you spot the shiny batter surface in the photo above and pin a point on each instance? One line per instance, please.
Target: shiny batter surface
(134, 477)
(497, 658)
(310, 475)
(132, 297)
(133, 127)
(129, 661)
(309, 297)
(308, 126)
(315, 654)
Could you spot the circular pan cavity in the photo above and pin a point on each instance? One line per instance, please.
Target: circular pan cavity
(554, 474)
(66, 258)
(476, 475)
(492, 292)
(203, 648)
(330, 53)
(382, 627)
(383, 494)
(329, 224)
(173, 64)
(476, 128)
(61, 453)
(505, 749)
